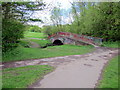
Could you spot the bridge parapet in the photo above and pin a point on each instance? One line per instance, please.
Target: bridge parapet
(76, 37)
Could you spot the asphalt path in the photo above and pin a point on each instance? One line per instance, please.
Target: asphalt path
(73, 71)
(82, 72)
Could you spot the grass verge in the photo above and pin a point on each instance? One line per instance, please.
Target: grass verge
(40, 42)
(22, 53)
(34, 35)
(110, 75)
(111, 44)
(24, 43)
(22, 77)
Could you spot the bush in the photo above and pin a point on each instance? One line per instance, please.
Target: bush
(11, 31)
(25, 44)
(33, 28)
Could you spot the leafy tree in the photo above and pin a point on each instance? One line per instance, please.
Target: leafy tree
(99, 20)
(33, 28)
(56, 18)
(21, 10)
(14, 15)
(11, 31)
(110, 20)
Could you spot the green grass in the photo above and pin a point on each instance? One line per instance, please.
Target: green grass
(22, 77)
(110, 75)
(24, 43)
(111, 44)
(34, 35)
(40, 42)
(22, 53)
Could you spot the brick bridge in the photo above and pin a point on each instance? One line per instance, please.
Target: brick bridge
(60, 38)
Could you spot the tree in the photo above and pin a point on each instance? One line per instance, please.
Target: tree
(11, 31)
(33, 28)
(99, 20)
(110, 20)
(21, 10)
(56, 18)
(78, 11)
(14, 15)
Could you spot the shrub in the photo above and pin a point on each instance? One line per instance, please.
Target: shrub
(11, 31)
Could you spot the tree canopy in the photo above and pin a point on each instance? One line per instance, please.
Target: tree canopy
(100, 19)
(14, 15)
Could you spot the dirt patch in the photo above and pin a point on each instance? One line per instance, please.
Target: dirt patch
(88, 65)
(34, 45)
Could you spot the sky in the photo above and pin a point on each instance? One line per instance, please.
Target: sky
(65, 6)
(45, 14)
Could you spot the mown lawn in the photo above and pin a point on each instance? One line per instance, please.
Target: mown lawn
(25, 53)
(34, 35)
(110, 75)
(22, 77)
(22, 53)
(40, 42)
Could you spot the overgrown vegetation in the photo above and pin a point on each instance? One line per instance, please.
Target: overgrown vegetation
(22, 77)
(110, 75)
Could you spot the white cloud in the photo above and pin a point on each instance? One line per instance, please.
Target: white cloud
(46, 13)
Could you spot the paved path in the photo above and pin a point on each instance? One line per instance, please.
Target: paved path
(74, 71)
(79, 73)
(34, 45)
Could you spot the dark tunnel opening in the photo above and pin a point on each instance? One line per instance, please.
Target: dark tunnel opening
(57, 42)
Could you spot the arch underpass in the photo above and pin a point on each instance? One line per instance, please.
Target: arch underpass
(61, 38)
(57, 42)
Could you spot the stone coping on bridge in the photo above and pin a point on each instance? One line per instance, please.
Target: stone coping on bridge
(82, 38)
